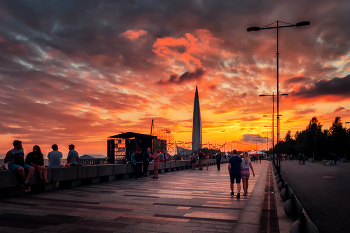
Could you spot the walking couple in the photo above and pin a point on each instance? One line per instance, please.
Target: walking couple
(239, 168)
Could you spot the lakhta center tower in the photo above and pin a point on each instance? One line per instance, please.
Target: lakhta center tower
(197, 124)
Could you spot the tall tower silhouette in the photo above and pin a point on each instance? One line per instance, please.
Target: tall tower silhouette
(197, 124)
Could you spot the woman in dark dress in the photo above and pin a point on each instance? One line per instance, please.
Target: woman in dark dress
(36, 159)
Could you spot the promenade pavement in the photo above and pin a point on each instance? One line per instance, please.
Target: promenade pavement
(181, 201)
(323, 191)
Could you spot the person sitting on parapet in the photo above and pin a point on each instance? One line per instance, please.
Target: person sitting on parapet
(15, 160)
(73, 156)
(54, 157)
(36, 160)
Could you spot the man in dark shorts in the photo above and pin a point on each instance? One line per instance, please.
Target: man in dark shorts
(234, 168)
(15, 159)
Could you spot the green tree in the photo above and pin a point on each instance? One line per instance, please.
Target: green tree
(337, 138)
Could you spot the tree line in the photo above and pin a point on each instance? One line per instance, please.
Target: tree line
(318, 142)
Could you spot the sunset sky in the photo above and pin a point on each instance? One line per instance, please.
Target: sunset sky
(80, 71)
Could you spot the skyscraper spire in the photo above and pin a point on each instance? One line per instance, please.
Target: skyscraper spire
(197, 124)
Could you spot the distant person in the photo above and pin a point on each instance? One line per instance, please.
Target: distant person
(200, 160)
(146, 158)
(234, 168)
(156, 164)
(161, 156)
(138, 162)
(133, 162)
(54, 157)
(260, 156)
(300, 158)
(335, 158)
(303, 158)
(15, 160)
(207, 156)
(246, 163)
(218, 160)
(194, 160)
(291, 157)
(73, 156)
(167, 156)
(36, 160)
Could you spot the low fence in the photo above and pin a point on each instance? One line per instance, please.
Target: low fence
(68, 177)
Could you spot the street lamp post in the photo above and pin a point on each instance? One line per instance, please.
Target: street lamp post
(347, 142)
(273, 118)
(251, 29)
(256, 144)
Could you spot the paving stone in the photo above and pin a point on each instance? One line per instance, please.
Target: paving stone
(182, 201)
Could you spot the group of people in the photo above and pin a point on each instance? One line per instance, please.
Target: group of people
(238, 168)
(200, 157)
(141, 161)
(35, 161)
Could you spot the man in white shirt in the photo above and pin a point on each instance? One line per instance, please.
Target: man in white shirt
(54, 157)
(73, 156)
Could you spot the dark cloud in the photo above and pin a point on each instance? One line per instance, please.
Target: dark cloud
(185, 77)
(338, 109)
(253, 138)
(297, 80)
(336, 87)
(305, 111)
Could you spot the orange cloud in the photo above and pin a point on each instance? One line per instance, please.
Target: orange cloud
(133, 35)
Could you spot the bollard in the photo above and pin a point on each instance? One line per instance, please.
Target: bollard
(281, 185)
(277, 176)
(286, 193)
(303, 226)
(293, 208)
(279, 180)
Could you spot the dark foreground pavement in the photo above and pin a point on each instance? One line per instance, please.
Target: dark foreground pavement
(182, 201)
(324, 191)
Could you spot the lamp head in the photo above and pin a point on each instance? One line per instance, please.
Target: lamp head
(262, 95)
(302, 23)
(253, 29)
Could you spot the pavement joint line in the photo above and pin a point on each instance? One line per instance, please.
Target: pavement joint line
(268, 217)
(60, 200)
(132, 195)
(196, 218)
(195, 206)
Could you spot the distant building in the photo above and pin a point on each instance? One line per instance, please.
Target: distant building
(197, 124)
(93, 159)
(93, 156)
(121, 146)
